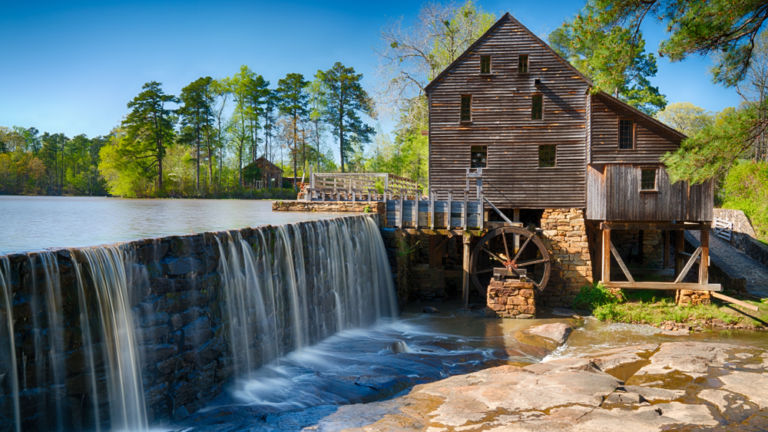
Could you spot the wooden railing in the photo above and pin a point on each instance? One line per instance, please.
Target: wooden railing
(360, 187)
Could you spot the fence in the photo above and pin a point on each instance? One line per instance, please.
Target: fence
(360, 187)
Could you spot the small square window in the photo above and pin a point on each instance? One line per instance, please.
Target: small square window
(537, 106)
(479, 156)
(626, 134)
(648, 179)
(485, 64)
(547, 156)
(522, 64)
(466, 108)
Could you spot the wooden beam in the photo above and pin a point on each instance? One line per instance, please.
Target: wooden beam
(466, 238)
(605, 273)
(735, 301)
(624, 268)
(634, 226)
(664, 286)
(679, 250)
(704, 262)
(688, 265)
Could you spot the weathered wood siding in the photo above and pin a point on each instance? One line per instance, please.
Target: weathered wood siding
(651, 140)
(615, 195)
(501, 120)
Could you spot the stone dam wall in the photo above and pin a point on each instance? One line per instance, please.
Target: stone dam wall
(121, 336)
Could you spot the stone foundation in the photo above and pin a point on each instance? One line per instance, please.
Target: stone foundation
(565, 235)
(511, 298)
(693, 298)
(329, 206)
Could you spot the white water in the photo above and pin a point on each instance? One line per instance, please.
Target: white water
(283, 289)
(5, 286)
(301, 283)
(107, 268)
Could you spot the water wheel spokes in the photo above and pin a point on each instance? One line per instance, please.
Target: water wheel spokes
(493, 251)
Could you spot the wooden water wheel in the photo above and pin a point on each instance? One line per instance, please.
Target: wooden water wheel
(517, 249)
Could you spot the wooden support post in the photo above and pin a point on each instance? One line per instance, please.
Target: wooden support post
(466, 237)
(449, 209)
(605, 273)
(431, 211)
(704, 261)
(400, 213)
(516, 218)
(464, 211)
(679, 249)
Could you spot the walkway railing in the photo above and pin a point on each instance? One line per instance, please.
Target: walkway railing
(360, 187)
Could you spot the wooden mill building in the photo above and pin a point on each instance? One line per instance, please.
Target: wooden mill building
(578, 163)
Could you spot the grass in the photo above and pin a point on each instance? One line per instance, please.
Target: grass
(652, 307)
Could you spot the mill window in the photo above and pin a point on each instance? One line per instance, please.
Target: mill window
(466, 108)
(522, 64)
(485, 64)
(648, 179)
(479, 156)
(537, 106)
(626, 134)
(547, 156)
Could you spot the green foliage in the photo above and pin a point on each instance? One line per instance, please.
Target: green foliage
(746, 188)
(344, 101)
(685, 117)
(293, 102)
(713, 150)
(196, 118)
(613, 57)
(592, 296)
(666, 310)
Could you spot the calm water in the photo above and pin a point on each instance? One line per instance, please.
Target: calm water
(34, 223)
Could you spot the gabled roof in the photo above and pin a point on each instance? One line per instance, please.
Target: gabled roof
(507, 17)
(621, 104)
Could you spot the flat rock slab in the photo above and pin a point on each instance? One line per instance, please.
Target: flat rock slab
(548, 336)
(576, 394)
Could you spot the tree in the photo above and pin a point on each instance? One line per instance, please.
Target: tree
(220, 90)
(613, 57)
(292, 102)
(345, 100)
(712, 151)
(685, 117)
(249, 92)
(412, 57)
(149, 129)
(723, 27)
(196, 115)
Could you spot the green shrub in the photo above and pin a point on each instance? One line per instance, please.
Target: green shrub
(592, 296)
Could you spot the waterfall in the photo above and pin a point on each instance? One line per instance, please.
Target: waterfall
(5, 286)
(107, 268)
(338, 266)
(111, 337)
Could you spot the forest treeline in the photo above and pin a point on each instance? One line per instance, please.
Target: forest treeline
(202, 142)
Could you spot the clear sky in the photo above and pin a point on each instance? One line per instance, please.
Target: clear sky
(71, 66)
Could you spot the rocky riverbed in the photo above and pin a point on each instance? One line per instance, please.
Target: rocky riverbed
(676, 385)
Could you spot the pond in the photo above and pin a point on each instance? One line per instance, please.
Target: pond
(29, 223)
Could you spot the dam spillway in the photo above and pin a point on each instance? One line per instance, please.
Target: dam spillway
(117, 337)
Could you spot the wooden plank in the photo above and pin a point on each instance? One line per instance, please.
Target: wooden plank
(466, 238)
(644, 225)
(605, 273)
(735, 301)
(704, 262)
(621, 262)
(688, 265)
(664, 286)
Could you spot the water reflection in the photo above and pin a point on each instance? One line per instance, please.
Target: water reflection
(35, 223)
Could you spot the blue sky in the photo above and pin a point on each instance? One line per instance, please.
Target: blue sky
(71, 66)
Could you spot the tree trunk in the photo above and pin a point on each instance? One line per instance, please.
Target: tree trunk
(197, 159)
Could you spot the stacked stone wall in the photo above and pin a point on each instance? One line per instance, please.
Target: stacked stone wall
(376, 207)
(565, 235)
(511, 298)
(176, 298)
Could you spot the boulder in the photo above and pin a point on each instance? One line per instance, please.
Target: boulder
(549, 336)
